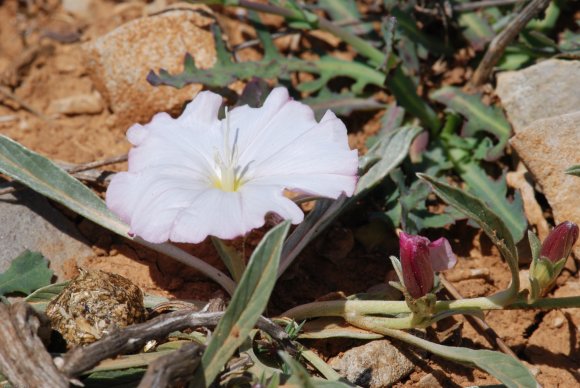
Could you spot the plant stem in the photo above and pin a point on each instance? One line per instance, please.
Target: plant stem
(352, 310)
(377, 324)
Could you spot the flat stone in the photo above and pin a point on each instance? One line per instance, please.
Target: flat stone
(28, 221)
(119, 62)
(375, 364)
(548, 147)
(550, 88)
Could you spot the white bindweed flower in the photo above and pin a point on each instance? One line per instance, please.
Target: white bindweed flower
(196, 175)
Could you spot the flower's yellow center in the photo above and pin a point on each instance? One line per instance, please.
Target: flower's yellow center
(229, 174)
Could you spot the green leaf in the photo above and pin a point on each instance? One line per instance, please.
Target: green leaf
(407, 26)
(476, 30)
(486, 218)
(224, 72)
(125, 378)
(506, 369)
(492, 192)
(480, 117)
(346, 10)
(40, 298)
(389, 151)
(45, 177)
(28, 272)
(406, 95)
(342, 104)
(301, 378)
(574, 170)
(230, 257)
(248, 302)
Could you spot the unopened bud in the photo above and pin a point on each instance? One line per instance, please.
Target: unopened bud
(559, 243)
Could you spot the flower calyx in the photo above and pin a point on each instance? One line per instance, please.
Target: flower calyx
(549, 258)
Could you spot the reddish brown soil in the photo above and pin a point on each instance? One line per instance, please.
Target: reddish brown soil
(38, 69)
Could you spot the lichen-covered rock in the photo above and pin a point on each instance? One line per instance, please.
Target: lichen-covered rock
(119, 61)
(94, 304)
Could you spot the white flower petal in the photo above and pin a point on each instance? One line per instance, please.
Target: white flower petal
(196, 176)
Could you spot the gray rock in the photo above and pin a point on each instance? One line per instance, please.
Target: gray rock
(548, 147)
(550, 88)
(375, 364)
(28, 221)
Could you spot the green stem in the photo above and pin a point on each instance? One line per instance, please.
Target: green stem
(351, 309)
(377, 324)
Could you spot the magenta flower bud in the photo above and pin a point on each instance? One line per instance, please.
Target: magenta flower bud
(559, 243)
(419, 258)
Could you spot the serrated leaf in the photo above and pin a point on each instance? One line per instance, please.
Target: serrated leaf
(28, 272)
(248, 302)
(40, 298)
(480, 117)
(46, 178)
(224, 72)
(487, 219)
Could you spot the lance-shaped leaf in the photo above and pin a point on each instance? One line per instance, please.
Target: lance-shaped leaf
(46, 178)
(505, 368)
(248, 302)
(388, 152)
(480, 117)
(574, 170)
(345, 11)
(475, 29)
(486, 218)
(492, 192)
(26, 273)
(405, 92)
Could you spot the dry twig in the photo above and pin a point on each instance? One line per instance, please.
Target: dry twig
(23, 359)
(134, 337)
(175, 367)
(500, 42)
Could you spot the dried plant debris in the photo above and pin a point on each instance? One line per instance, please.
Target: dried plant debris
(94, 304)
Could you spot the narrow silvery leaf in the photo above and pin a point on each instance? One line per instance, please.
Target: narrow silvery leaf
(248, 302)
(46, 178)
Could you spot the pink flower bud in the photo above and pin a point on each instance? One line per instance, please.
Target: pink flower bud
(559, 243)
(419, 258)
(418, 273)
